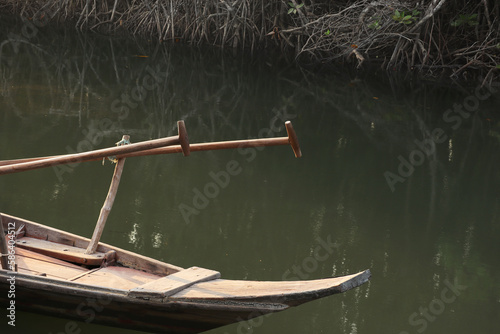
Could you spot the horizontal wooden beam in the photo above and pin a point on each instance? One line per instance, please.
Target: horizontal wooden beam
(184, 147)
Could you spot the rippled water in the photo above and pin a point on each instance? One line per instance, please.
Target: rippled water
(399, 175)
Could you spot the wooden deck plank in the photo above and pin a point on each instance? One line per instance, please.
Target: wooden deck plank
(51, 269)
(117, 277)
(37, 273)
(83, 274)
(174, 283)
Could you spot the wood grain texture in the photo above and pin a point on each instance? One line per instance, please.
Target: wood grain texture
(60, 251)
(39, 264)
(286, 292)
(174, 283)
(117, 277)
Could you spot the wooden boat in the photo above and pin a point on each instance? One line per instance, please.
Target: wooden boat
(119, 288)
(53, 272)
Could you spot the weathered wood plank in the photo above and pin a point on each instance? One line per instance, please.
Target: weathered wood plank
(117, 277)
(37, 256)
(40, 266)
(174, 283)
(289, 292)
(60, 251)
(83, 274)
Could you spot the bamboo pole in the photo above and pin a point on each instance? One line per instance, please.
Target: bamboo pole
(88, 156)
(221, 145)
(20, 165)
(3, 246)
(108, 204)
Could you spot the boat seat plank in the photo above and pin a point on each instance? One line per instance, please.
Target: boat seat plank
(171, 284)
(116, 277)
(60, 251)
(37, 256)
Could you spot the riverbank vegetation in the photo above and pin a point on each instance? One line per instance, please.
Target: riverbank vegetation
(431, 36)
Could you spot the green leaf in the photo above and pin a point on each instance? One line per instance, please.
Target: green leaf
(291, 5)
(299, 6)
(397, 13)
(327, 32)
(407, 17)
(498, 66)
(290, 10)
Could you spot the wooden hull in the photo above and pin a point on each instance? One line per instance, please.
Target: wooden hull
(116, 309)
(141, 293)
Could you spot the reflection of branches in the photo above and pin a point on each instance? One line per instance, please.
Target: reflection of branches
(83, 76)
(395, 33)
(28, 55)
(73, 75)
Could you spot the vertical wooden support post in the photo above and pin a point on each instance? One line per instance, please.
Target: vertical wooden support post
(3, 246)
(108, 204)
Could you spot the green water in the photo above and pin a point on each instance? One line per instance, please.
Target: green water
(430, 235)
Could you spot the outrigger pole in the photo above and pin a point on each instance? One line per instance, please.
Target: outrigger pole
(166, 145)
(16, 166)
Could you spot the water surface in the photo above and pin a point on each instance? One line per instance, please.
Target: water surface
(431, 239)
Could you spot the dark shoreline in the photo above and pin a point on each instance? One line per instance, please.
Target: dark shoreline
(458, 39)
